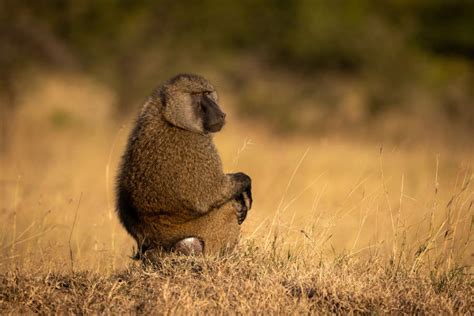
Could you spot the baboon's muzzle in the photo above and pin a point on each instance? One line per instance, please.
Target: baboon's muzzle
(214, 118)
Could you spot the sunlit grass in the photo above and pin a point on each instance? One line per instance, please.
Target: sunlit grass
(324, 210)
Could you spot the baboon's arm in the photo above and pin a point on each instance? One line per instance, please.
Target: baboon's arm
(231, 186)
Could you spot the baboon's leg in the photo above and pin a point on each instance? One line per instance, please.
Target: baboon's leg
(218, 231)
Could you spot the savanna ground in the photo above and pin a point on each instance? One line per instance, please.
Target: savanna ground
(338, 224)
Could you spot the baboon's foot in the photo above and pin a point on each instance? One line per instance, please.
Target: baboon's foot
(245, 203)
(189, 246)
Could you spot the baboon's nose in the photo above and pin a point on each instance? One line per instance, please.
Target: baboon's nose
(223, 115)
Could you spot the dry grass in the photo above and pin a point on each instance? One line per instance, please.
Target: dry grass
(250, 281)
(337, 225)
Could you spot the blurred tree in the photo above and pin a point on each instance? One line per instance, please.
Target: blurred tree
(387, 46)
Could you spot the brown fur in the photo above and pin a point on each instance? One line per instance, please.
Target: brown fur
(218, 229)
(171, 184)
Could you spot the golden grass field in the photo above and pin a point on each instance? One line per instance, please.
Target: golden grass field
(338, 224)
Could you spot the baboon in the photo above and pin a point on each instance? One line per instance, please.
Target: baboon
(172, 193)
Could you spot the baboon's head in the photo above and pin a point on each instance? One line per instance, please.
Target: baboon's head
(190, 102)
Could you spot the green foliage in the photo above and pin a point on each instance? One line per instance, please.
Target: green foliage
(389, 47)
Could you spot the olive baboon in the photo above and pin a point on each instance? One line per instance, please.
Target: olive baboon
(172, 193)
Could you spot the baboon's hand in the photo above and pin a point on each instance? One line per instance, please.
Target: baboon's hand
(243, 196)
(247, 196)
(243, 183)
(242, 179)
(242, 209)
(245, 203)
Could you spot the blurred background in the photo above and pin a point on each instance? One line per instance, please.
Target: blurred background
(327, 98)
(297, 66)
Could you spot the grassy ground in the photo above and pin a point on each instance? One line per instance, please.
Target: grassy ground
(252, 280)
(338, 225)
